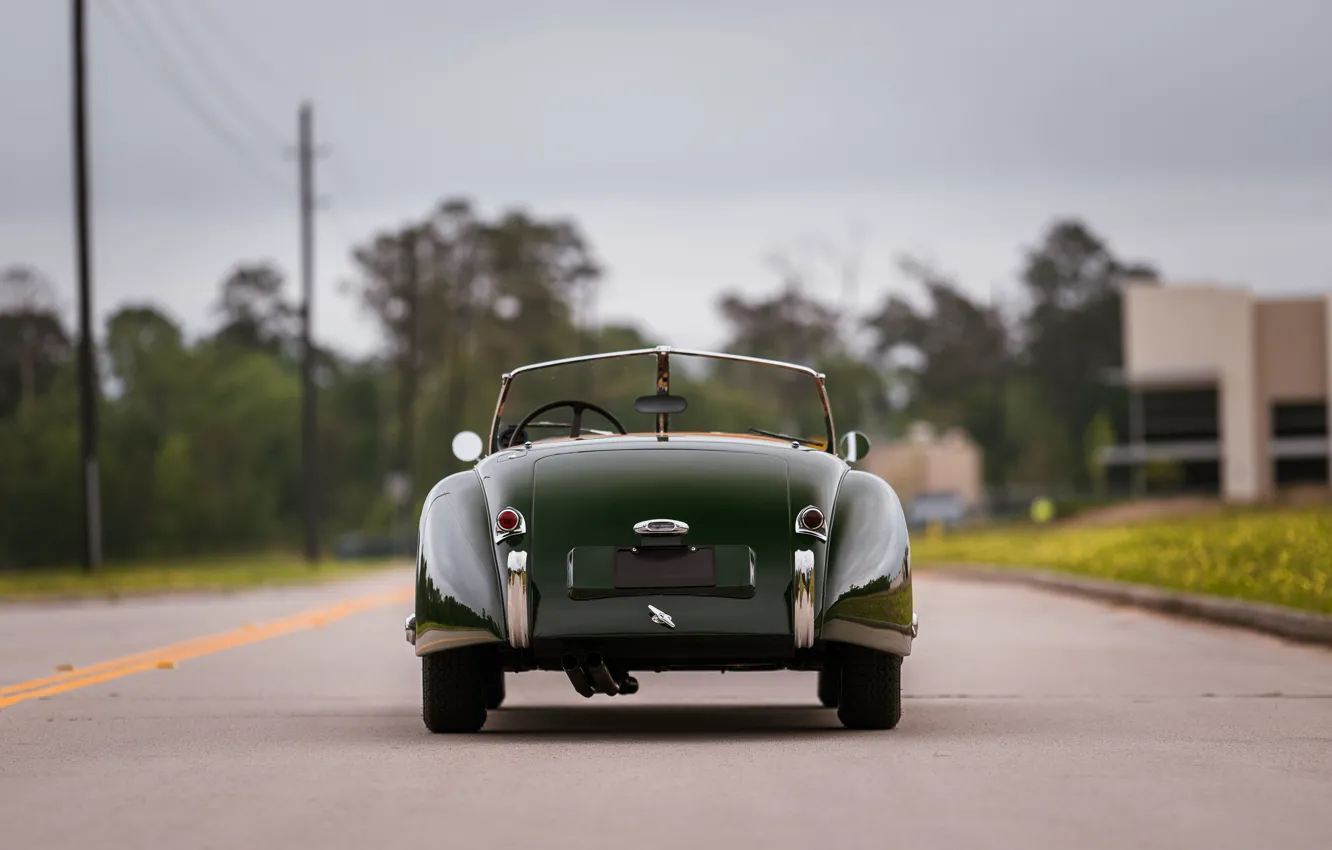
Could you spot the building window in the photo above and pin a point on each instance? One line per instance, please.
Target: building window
(1293, 471)
(1177, 416)
(1299, 420)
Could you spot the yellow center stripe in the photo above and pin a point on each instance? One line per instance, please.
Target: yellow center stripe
(168, 656)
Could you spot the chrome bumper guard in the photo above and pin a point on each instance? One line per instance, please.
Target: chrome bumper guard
(802, 615)
(515, 600)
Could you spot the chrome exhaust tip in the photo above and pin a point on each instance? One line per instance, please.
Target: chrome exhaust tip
(601, 675)
(577, 676)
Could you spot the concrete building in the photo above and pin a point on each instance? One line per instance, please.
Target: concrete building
(926, 462)
(1230, 389)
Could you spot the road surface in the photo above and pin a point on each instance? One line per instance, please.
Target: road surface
(1032, 720)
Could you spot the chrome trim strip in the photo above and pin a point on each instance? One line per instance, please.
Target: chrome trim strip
(915, 626)
(674, 528)
(802, 614)
(442, 640)
(515, 600)
(662, 353)
(820, 533)
(663, 387)
(411, 629)
(666, 349)
(827, 414)
(499, 411)
(860, 634)
(501, 535)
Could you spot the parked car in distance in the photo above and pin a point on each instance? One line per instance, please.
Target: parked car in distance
(945, 509)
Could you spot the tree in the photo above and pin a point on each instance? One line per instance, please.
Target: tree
(962, 346)
(962, 356)
(254, 313)
(793, 327)
(33, 341)
(453, 291)
(1073, 328)
(145, 349)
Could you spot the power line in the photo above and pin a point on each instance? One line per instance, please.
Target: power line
(165, 68)
(255, 60)
(238, 105)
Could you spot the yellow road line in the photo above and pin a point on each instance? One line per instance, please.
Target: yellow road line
(116, 668)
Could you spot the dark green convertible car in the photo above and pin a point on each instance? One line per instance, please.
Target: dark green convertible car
(658, 510)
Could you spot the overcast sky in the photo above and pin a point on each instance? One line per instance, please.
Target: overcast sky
(688, 138)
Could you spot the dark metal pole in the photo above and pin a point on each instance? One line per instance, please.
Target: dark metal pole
(309, 435)
(92, 508)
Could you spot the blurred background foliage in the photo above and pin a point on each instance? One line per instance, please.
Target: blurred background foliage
(200, 436)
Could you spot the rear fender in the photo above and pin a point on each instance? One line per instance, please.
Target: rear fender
(459, 598)
(867, 597)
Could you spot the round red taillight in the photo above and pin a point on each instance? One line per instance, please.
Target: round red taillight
(812, 519)
(507, 519)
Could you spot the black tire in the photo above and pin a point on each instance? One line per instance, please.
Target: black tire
(454, 690)
(830, 684)
(871, 692)
(495, 693)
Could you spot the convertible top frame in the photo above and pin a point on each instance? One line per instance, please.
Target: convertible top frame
(663, 354)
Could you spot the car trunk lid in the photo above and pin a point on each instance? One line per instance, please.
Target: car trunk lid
(730, 574)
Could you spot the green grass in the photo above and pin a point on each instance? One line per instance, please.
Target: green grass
(1278, 556)
(199, 575)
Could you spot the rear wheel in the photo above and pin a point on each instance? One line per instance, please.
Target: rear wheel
(830, 683)
(871, 689)
(495, 693)
(455, 689)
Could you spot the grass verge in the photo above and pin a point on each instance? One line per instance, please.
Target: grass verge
(199, 575)
(1278, 556)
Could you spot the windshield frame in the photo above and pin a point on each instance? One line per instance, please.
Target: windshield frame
(663, 354)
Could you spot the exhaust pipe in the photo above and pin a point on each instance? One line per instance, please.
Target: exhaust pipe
(601, 676)
(577, 676)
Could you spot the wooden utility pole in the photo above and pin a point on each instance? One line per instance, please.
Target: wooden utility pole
(92, 508)
(309, 432)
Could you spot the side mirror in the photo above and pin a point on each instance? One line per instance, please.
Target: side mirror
(467, 446)
(854, 446)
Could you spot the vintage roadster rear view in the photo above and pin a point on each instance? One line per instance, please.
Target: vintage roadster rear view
(624, 515)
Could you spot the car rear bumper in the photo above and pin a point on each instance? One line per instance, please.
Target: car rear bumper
(883, 637)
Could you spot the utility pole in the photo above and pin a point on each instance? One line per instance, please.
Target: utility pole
(92, 508)
(309, 434)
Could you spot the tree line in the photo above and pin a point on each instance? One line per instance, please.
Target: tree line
(200, 438)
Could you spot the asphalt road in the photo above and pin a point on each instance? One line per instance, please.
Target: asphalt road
(1032, 720)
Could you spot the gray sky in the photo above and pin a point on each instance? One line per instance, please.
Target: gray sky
(688, 138)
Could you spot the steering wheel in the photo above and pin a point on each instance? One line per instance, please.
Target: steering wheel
(576, 427)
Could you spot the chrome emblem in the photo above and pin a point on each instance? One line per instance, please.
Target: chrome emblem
(661, 526)
(661, 618)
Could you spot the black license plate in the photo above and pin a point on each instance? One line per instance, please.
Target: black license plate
(665, 567)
